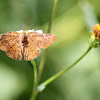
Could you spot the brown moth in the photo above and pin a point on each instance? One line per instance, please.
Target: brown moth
(25, 43)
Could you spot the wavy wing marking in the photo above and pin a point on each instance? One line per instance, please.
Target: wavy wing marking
(30, 52)
(7, 40)
(48, 40)
(15, 51)
(10, 43)
(40, 40)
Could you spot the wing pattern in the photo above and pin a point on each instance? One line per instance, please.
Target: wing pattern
(30, 52)
(10, 43)
(28, 45)
(41, 40)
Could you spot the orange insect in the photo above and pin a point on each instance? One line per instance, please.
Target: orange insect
(25, 43)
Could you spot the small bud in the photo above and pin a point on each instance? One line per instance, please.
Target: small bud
(95, 38)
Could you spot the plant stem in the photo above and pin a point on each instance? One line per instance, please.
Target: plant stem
(44, 84)
(52, 15)
(41, 66)
(42, 62)
(35, 80)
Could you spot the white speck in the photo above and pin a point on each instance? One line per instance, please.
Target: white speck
(39, 31)
(0, 36)
(20, 31)
(31, 30)
(44, 35)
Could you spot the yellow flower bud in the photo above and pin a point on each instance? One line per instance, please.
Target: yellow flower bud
(96, 30)
(95, 38)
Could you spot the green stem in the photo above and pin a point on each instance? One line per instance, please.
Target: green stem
(41, 66)
(35, 80)
(42, 62)
(52, 15)
(44, 84)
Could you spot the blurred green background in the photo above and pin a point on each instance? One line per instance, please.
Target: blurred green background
(73, 22)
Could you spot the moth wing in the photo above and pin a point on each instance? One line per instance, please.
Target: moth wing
(41, 40)
(7, 40)
(15, 51)
(30, 52)
(48, 40)
(10, 43)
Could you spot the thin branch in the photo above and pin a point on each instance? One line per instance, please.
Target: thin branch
(48, 81)
(42, 62)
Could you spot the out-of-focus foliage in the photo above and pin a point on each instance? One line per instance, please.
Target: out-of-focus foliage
(71, 25)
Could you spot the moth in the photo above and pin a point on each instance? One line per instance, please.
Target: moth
(25, 44)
